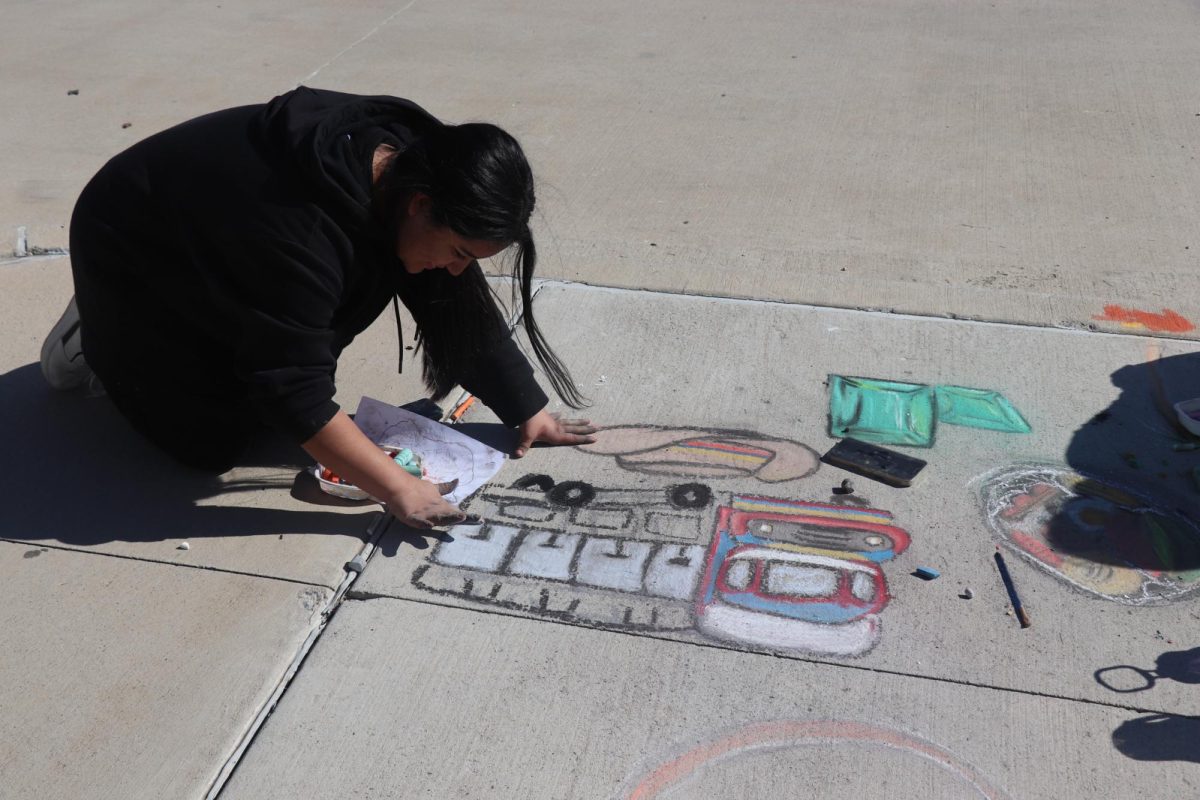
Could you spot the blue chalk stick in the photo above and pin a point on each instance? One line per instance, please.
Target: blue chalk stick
(928, 573)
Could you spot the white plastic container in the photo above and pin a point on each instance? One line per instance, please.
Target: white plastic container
(1188, 412)
(346, 491)
(349, 491)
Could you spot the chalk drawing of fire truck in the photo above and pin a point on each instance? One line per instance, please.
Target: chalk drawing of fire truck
(761, 572)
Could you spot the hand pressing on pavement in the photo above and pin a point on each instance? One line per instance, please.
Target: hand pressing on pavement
(420, 504)
(552, 429)
(346, 450)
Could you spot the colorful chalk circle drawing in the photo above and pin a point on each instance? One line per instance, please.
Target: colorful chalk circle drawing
(783, 740)
(750, 571)
(705, 453)
(1103, 539)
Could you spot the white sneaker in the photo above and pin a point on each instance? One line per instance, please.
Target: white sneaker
(63, 364)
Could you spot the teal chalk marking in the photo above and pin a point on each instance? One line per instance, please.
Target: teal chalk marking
(882, 412)
(978, 408)
(894, 412)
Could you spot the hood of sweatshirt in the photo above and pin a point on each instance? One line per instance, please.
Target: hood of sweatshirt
(328, 139)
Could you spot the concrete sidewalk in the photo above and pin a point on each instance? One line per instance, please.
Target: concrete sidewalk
(406, 699)
(131, 667)
(689, 610)
(425, 685)
(1031, 161)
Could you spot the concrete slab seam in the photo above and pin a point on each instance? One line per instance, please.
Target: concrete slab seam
(1079, 329)
(205, 567)
(367, 596)
(374, 534)
(361, 39)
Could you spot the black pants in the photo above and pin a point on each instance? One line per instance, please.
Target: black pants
(204, 433)
(175, 389)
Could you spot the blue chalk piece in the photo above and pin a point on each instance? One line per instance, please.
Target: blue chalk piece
(928, 573)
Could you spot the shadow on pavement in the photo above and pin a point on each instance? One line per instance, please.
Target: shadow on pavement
(1156, 737)
(1159, 737)
(1122, 519)
(399, 536)
(1176, 665)
(77, 473)
(1135, 441)
(493, 434)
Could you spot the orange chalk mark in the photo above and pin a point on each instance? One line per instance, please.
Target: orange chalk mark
(1166, 322)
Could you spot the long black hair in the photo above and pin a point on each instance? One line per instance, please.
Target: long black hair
(481, 187)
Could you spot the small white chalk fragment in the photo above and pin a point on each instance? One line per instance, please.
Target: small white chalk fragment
(184, 546)
(967, 594)
(603, 379)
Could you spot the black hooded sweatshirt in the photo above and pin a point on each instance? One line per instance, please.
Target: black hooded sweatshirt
(236, 255)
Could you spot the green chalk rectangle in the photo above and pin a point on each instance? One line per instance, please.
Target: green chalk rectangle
(883, 412)
(978, 408)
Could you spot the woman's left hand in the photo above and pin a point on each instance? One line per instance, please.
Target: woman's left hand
(552, 429)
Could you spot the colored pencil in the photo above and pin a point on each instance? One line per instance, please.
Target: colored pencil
(1012, 590)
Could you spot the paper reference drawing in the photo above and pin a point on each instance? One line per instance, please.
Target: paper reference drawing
(445, 453)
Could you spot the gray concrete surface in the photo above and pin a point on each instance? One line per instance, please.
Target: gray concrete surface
(1031, 161)
(406, 700)
(88, 481)
(124, 679)
(761, 367)
(1028, 161)
(142, 65)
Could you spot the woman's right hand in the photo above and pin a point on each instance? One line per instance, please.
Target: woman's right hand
(419, 504)
(342, 447)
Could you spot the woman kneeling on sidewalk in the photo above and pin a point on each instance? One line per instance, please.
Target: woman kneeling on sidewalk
(222, 266)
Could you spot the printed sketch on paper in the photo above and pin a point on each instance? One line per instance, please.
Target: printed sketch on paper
(445, 453)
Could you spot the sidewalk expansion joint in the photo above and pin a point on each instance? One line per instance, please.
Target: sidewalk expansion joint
(1077, 327)
(143, 559)
(353, 569)
(359, 41)
(367, 596)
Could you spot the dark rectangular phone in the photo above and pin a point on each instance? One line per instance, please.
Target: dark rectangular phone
(872, 461)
